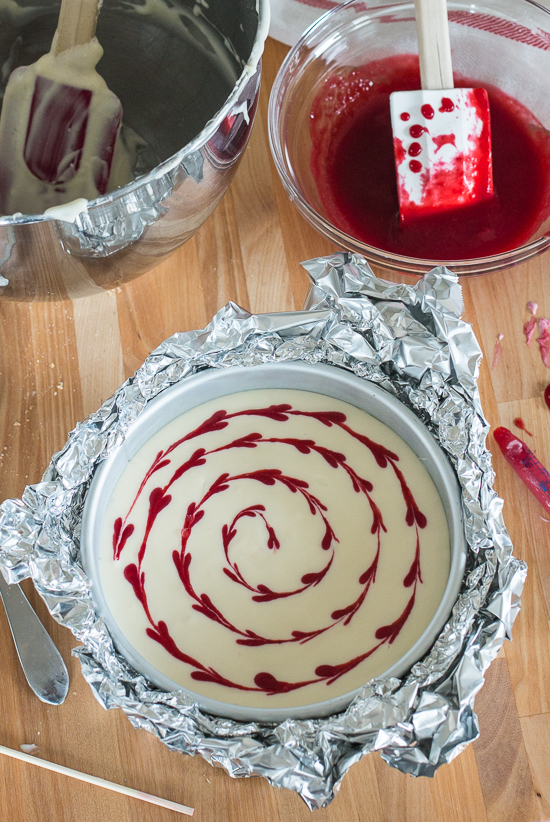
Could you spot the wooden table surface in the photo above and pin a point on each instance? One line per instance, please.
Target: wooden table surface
(59, 361)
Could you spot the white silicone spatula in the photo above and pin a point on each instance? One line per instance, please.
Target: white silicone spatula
(59, 121)
(441, 134)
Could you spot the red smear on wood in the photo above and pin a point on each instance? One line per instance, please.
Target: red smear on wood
(497, 353)
(530, 326)
(519, 423)
(544, 340)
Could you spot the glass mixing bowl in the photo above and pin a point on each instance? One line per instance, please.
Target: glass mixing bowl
(505, 43)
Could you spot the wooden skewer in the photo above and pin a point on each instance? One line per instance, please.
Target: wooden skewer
(95, 780)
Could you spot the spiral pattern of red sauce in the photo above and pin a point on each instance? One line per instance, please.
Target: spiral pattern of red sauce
(158, 497)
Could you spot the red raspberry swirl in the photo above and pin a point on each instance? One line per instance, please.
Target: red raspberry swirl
(159, 498)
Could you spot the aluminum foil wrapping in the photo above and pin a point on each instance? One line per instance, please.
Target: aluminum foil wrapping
(410, 341)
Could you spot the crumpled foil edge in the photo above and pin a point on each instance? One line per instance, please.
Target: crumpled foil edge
(410, 341)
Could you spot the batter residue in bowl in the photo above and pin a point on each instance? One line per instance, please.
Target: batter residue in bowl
(353, 164)
(274, 548)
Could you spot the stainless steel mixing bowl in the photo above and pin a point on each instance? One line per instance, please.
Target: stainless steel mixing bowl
(188, 77)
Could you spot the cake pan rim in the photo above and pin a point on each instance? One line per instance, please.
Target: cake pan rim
(209, 384)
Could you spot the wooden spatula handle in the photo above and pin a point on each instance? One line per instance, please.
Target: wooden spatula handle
(434, 47)
(77, 23)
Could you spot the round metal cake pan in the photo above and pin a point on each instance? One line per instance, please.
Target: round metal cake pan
(322, 379)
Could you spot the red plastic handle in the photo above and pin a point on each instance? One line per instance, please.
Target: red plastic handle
(528, 468)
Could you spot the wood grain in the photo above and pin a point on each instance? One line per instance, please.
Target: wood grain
(535, 730)
(504, 772)
(59, 361)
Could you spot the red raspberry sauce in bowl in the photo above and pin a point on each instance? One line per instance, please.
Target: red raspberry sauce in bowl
(353, 164)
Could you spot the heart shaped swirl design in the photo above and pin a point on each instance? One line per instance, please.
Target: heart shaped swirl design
(160, 498)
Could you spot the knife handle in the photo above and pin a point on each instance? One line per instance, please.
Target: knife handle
(42, 663)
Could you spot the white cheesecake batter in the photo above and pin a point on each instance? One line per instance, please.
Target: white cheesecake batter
(274, 548)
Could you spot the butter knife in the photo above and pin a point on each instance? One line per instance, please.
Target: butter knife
(42, 663)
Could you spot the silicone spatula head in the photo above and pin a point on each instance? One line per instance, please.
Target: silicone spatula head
(60, 122)
(442, 149)
(441, 134)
